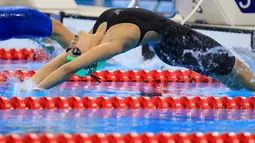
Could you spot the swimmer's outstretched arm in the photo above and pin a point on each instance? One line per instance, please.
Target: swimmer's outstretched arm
(63, 36)
(48, 68)
(101, 52)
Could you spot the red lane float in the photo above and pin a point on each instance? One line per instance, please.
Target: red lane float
(23, 54)
(129, 102)
(163, 137)
(121, 76)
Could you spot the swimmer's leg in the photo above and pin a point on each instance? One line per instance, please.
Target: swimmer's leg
(217, 63)
(241, 77)
(184, 47)
(61, 34)
(19, 21)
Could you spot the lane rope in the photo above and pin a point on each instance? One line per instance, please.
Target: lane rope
(163, 137)
(121, 76)
(30, 54)
(129, 102)
(130, 75)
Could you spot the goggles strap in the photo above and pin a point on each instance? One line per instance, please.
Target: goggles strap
(96, 78)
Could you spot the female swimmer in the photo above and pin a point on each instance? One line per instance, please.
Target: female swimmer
(119, 30)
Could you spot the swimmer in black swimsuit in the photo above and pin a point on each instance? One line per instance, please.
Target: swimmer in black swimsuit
(119, 30)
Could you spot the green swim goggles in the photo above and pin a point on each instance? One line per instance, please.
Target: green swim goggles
(88, 71)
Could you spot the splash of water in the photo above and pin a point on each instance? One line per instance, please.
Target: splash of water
(51, 48)
(26, 85)
(246, 55)
(19, 87)
(199, 56)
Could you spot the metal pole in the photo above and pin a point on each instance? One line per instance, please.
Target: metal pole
(99, 2)
(137, 3)
(133, 3)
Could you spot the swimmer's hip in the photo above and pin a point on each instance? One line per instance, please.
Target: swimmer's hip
(19, 21)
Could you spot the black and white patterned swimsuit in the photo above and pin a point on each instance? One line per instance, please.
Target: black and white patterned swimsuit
(180, 45)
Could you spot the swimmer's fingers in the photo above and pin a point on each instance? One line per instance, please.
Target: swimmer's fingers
(76, 37)
(38, 89)
(74, 41)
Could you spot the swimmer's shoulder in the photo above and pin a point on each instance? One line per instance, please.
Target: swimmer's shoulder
(108, 12)
(128, 10)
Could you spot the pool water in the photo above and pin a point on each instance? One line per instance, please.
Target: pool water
(123, 89)
(165, 6)
(110, 89)
(122, 120)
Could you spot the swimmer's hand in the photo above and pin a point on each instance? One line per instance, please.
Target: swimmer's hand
(38, 89)
(22, 89)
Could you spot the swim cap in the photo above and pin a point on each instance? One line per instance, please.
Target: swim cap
(89, 70)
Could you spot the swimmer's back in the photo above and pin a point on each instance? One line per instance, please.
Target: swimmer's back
(144, 19)
(179, 44)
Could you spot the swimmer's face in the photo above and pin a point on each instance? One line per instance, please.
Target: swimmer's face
(87, 41)
(83, 42)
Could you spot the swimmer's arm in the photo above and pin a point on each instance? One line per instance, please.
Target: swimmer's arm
(48, 68)
(98, 53)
